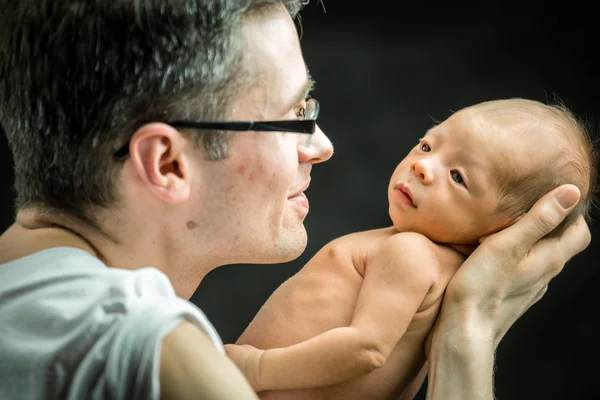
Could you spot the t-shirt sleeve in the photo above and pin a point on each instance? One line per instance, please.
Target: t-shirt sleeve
(71, 328)
(123, 362)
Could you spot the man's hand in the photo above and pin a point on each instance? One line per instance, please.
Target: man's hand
(510, 271)
(505, 275)
(247, 359)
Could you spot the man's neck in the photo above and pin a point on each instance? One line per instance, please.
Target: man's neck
(20, 241)
(33, 232)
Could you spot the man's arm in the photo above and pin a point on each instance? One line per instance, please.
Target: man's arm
(191, 368)
(395, 284)
(507, 274)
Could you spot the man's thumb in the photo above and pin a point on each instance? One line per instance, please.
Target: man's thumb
(545, 215)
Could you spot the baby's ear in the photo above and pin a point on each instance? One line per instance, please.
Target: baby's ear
(509, 223)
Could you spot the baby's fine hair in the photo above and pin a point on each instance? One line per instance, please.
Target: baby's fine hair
(576, 162)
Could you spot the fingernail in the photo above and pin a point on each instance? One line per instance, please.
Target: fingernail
(566, 198)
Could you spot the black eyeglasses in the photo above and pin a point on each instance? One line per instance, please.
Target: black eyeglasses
(306, 124)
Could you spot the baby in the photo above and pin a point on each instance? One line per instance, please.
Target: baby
(352, 323)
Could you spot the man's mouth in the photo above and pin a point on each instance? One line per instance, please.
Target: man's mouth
(300, 198)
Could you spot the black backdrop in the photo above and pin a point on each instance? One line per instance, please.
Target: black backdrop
(383, 70)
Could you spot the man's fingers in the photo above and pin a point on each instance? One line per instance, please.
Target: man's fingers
(545, 215)
(575, 239)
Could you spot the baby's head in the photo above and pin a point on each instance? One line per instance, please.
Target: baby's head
(488, 164)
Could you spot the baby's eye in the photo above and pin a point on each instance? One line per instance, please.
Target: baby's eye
(457, 177)
(300, 112)
(425, 147)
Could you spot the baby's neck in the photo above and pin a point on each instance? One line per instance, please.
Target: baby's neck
(464, 249)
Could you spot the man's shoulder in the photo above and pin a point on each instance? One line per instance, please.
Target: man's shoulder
(64, 261)
(55, 256)
(71, 318)
(68, 290)
(62, 278)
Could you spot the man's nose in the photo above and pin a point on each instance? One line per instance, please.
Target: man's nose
(423, 170)
(316, 148)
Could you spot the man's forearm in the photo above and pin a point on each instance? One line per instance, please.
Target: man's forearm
(461, 367)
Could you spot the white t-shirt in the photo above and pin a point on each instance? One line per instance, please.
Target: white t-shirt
(72, 328)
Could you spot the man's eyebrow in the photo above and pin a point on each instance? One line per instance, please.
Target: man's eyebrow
(302, 94)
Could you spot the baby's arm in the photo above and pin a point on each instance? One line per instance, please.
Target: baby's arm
(397, 278)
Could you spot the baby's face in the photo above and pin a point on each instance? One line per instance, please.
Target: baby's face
(446, 188)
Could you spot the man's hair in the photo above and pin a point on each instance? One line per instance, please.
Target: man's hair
(77, 78)
(576, 162)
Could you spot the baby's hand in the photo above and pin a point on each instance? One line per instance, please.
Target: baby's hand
(247, 358)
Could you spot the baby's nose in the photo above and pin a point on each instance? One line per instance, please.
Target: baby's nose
(422, 169)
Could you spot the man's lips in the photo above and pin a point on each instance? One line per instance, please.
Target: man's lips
(402, 192)
(299, 197)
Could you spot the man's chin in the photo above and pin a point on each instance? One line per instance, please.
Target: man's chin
(279, 257)
(290, 246)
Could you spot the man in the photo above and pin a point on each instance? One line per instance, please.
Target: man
(105, 106)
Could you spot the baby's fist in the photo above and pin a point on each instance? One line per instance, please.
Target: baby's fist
(247, 358)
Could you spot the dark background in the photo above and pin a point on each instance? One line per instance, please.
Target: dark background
(383, 71)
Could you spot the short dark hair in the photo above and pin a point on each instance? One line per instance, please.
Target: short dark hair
(77, 78)
(576, 163)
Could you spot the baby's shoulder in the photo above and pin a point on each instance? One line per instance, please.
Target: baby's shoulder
(403, 248)
(387, 240)
(356, 245)
(411, 242)
(363, 239)
(408, 254)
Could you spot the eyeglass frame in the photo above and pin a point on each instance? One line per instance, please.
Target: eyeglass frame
(307, 126)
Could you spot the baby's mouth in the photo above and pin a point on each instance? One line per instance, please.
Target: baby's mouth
(405, 192)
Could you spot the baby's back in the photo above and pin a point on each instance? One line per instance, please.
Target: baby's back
(323, 296)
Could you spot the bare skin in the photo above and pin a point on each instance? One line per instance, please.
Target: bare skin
(30, 234)
(331, 283)
(353, 322)
(256, 217)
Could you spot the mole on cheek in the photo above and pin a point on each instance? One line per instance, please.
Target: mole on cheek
(191, 225)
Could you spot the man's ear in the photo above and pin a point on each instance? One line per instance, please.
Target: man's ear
(157, 153)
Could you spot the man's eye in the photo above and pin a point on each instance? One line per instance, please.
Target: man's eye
(425, 147)
(300, 112)
(457, 177)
